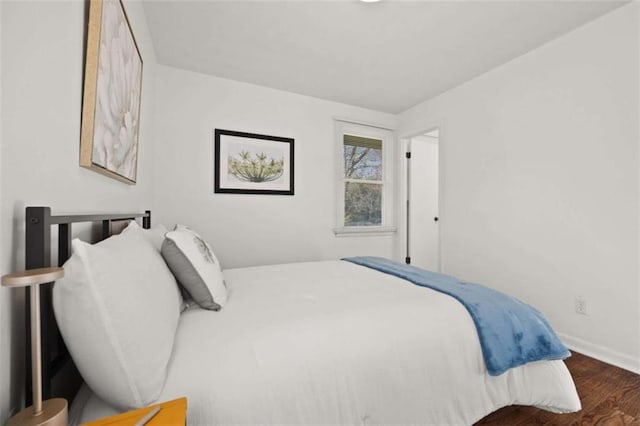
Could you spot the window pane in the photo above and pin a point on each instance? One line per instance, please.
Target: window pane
(362, 158)
(362, 204)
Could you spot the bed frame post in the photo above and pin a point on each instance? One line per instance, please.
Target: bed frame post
(146, 221)
(38, 233)
(38, 255)
(106, 229)
(64, 242)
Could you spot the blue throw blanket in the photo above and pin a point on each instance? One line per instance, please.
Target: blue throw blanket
(511, 332)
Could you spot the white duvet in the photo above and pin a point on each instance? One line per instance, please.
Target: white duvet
(337, 343)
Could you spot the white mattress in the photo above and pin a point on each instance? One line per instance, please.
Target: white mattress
(337, 343)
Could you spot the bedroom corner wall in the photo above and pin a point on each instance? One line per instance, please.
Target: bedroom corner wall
(42, 67)
(638, 211)
(5, 336)
(540, 164)
(252, 229)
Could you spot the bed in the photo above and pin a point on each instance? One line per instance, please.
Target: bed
(333, 342)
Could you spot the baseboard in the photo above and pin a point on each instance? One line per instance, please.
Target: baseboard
(12, 412)
(601, 353)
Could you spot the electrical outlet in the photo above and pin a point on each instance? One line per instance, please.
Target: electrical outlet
(580, 305)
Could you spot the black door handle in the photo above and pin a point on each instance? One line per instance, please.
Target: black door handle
(435, 219)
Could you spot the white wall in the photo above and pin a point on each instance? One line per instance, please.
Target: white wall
(638, 124)
(42, 82)
(5, 335)
(252, 229)
(540, 181)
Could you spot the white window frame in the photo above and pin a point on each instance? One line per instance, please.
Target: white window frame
(387, 227)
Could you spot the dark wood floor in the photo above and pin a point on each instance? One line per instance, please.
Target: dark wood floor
(610, 397)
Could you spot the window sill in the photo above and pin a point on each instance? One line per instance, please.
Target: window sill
(363, 231)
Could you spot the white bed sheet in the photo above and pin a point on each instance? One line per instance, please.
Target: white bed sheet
(336, 343)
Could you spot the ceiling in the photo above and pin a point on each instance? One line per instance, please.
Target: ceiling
(386, 56)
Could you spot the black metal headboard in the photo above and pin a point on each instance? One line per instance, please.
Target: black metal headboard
(59, 375)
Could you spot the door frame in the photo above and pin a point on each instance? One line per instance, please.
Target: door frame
(403, 146)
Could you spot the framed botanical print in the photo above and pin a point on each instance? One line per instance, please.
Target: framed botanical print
(249, 163)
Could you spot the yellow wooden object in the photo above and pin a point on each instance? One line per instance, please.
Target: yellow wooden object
(171, 413)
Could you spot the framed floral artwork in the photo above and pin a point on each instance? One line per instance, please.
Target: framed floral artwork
(249, 163)
(112, 94)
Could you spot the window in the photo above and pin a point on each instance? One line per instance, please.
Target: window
(364, 187)
(363, 184)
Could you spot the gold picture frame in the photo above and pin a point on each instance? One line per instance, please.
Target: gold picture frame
(112, 94)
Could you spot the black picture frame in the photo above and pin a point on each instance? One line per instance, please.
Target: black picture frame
(251, 163)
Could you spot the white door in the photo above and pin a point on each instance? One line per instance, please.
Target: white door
(424, 234)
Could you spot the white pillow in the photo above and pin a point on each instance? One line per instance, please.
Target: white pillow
(196, 267)
(155, 235)
(117, 308)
